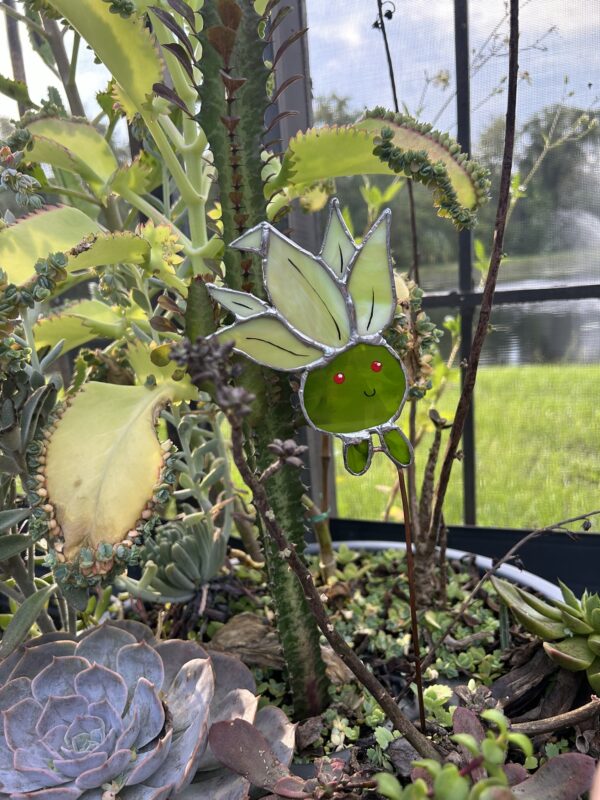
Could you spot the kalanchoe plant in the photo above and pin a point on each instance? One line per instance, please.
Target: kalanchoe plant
(117, 713)
(570, 629)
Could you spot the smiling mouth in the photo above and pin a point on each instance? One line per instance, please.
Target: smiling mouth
(370, 394)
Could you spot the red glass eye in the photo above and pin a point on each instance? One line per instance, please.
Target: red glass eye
(376, 366)
(339, 377)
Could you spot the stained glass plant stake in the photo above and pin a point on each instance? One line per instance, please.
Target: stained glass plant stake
(324, 319)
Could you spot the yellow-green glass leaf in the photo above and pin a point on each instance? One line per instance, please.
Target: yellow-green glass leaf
(305, 293)
(123, 44)
(103, 462)
(75, 146)
(56, 229)
(267, 341)
(78, 324)
(241, 304)
(338, 245)
(251, 240)
(109, 248)
(371, 282)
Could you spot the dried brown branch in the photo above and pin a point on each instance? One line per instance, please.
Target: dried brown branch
(560, 721)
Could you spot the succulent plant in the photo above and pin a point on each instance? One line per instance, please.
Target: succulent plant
(117, 713)
(570, 629)
(179, 558)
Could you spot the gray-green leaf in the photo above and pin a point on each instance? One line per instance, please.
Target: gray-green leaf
(22, 621)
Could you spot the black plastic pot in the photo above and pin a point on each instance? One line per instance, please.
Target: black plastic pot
(575, 559)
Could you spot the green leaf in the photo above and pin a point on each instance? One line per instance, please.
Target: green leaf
(450, 785)
(17, 91)
(23, 620)
(573, 654)
(12, 544)
(594, 643)
(388, 786)
(108, 432)
(497, 717)
(124, 45)
(593, 675)
(540, 606)
(109, 248)
(569, 597)
(141, 176)
(11, 517)
(75, 146)
(575, 624)
(78, 324)
(467, 741)
(523, 743)
(383, 737)
(325, 153)
(56, 229)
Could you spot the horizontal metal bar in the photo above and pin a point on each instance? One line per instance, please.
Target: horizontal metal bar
(506, 296)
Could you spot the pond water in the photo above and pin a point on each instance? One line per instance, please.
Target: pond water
(554, 331)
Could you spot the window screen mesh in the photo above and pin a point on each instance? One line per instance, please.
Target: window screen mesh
(537, 418)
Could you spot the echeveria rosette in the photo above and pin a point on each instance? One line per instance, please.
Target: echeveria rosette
(113, 713)
(325, 319)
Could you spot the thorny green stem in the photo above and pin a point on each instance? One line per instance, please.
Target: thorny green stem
(487, 300)
(366, 678)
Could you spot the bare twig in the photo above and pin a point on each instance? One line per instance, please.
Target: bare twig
(566, 720)
(490, 284)
(412, 598)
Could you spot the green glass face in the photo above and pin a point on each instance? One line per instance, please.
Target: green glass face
(361, 388)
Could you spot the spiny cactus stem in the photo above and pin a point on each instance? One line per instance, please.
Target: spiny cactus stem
(412, 591)
(366, 678)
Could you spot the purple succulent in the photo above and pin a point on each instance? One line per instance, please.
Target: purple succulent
(114, 713)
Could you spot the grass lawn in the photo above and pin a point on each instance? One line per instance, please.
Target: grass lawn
(538, 450)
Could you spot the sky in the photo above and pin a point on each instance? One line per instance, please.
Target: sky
(347, 56)
(558, 38)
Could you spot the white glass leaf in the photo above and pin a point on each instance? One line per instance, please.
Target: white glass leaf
(241, 304)
(338, 244)
(268, 341)
(305, 293)
(371, 281)
(251, 240)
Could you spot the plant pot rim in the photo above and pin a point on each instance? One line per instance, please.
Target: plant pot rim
(522, 577)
